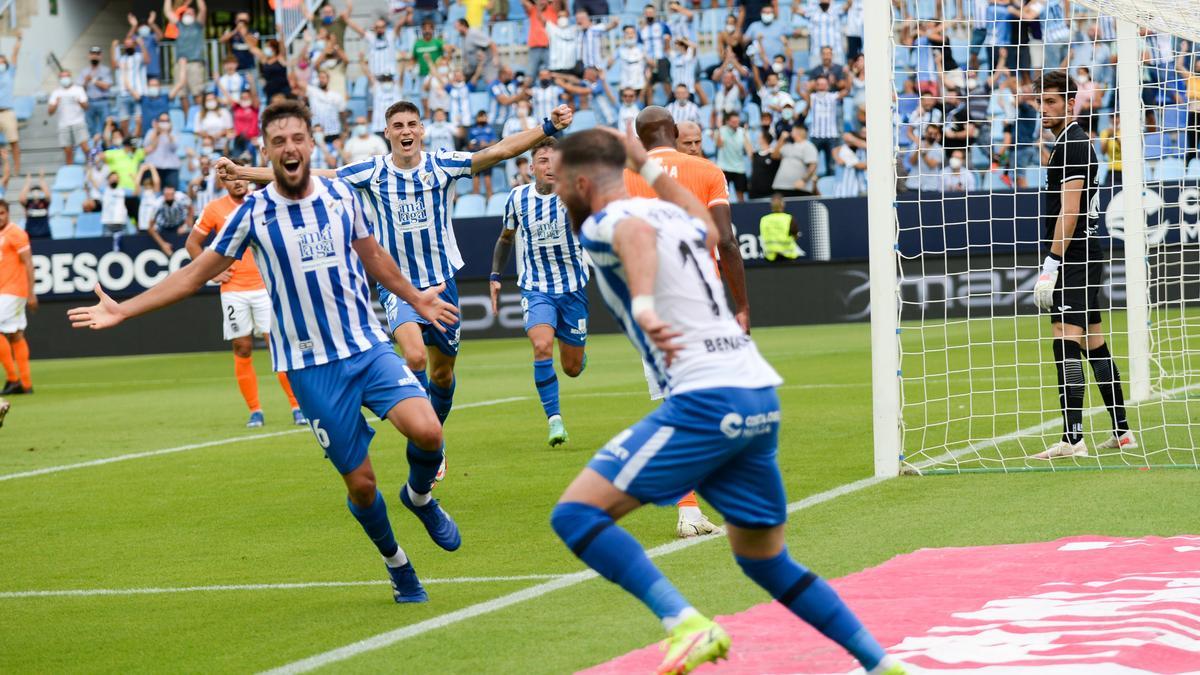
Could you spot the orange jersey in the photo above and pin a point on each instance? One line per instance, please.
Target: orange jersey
(699, 176)
(245, 272)
(14, 278)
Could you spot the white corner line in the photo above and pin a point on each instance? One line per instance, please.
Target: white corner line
(533, 592)
(94, 592)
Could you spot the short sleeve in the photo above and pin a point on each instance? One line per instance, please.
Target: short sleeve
(357, 175)
(510, 211)
(716, 189)
(20, 240)
(359, 227)
(207, 221)
(235, 236)
(456, 164)
(1076, 157)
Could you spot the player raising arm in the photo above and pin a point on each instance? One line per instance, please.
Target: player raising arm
(408, 196)
(553, 277)
(312, 243)
(1068, 288)
(717, 430)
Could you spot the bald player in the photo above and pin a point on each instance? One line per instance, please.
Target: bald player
(689, 141)
(659, 134)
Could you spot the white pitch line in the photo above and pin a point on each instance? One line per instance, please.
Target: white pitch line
(92, 592)
(533, 592)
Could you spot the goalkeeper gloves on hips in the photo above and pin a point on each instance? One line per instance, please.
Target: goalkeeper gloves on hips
(1043, 290)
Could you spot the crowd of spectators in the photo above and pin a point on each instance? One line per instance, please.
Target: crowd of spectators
(773, 91)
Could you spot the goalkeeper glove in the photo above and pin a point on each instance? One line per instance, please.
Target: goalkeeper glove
(1043, 290)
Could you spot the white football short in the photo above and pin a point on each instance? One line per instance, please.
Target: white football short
(12, 313)
(246, 312)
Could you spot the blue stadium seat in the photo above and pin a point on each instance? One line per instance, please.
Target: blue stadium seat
(62, 227)
(707, 145)
(1175, 117)
(1170, 168)
(470, 206)
(185, 142)
(495, 205)
(584, 119)
(58, 201)
(357, 107)
(706, 116)
(516, 12)
(89, 225)
(457, 11)
(660, 97)
(504, 33)
(479, 101)
(177, 120)
(358, 87)
(74, 203)
(1193, 169)
(1154, 146)
(23, 107)
(827, 185)
(68, 178)
(709, 89)
(707, 61)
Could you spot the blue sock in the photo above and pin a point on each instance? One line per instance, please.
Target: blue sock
(374, 521)
(592, 535)
(547, 385)
(422, 467)
(442, 399)
(810, 598)
(422, 378)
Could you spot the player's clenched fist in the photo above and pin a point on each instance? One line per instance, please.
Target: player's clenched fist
(561, 117)
(226, 169)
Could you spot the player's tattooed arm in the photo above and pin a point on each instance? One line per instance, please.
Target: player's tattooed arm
(178, 285)
(383, 269)
(516, 144)
(500, 256)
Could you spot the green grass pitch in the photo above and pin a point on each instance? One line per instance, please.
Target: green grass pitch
(270, 510)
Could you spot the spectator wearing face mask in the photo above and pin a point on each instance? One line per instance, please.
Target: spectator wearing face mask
(764, 39)
(162, 151)
(504, 93)
(564, 47)
(97, 81)
(191, 71)
(382, 48)
(682, 57)
(69, 101)
(631, 105)
(231, 83)
(730, 90)
(125, 160)
(733, 149)
(956, 177)
(481, 136)
(797, 157)
(362, 144)
(729, 40)
(333, 21)
(460, 99)
(129, 64)
(172, 220)
(151, 36)
(216, 122)
(245, 125)
(435, 86)
(682, 109)
(545, 95)
(633, 61)
(331, 60)
(239, 39)
(655, 36)
(440, 134)
(145, 202)
(272, 67)
(35, 198)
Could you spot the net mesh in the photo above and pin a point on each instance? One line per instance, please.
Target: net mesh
(1174, 17)
(979, 385)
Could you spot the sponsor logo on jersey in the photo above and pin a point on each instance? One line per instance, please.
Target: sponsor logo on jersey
(734, 425)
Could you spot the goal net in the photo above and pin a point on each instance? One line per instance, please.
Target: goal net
(979, 385)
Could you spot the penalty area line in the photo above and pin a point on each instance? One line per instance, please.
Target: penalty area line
(533, 592)
(94, 592)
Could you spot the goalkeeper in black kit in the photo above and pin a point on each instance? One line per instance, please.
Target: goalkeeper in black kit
(1068, 287)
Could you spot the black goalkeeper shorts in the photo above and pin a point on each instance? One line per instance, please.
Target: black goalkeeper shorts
(1077, 294)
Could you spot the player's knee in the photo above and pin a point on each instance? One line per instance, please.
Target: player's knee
(243, 348)
(416, 359)
(427, 435)
(442, 375)
(543, 349)
(361, 488)
(572, 367)
(577, 524)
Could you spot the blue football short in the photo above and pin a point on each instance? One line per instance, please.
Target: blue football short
(722, 443)
(566, 313)
(400, 312)
(332, 396)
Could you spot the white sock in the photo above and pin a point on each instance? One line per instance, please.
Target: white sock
(551, 418)
(418, 499)
(671, 622)
(883, 665)
(691, 514)
(397, 560)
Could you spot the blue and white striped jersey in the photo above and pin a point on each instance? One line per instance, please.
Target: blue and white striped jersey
(544, 100)
(826, 31)
(382, 53)
(591, 46)
(1055, 29)
(688, 296)
(460, 104)
(409, 211)
(823, 117)
(498, 113)
(651, 39)
(549, 257)
(320, 300)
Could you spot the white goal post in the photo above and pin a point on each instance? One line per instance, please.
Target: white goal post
(962, 376)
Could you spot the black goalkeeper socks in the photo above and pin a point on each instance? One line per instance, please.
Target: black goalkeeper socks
(1108, 380)
(1069, 365)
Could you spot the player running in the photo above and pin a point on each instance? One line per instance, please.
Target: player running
(1069, 285)
(16, 295)
(716, 432)
(660, 136)
(245, 303)
(552, 275)
(312, 242)
(408, 198)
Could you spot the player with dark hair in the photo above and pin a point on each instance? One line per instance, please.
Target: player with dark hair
(717, 430)
(1068, 287)
(552, 276)
(312, 244)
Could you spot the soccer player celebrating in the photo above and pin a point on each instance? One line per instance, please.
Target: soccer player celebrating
(311, 241)
(245, 303)
(1068, 287)
(552, 275)
(716, 432)
(660, 135)
(408, 195)
(16, 295)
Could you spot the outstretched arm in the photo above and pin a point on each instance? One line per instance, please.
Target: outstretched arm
(177, 286)
(516, 144)
(228, 171)
(383, 269)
